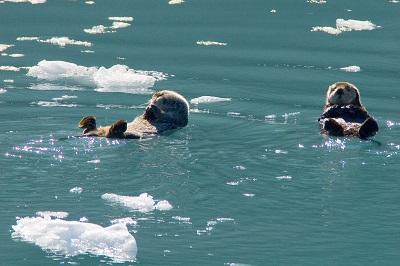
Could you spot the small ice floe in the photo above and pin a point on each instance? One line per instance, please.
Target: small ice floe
(3, 91)
(281, 152)
(391, 124)
(16, 55)
(9, 68)
(394, 1)
(211, 43)
(60, 41)
(209, 99)
(54, 104)
(175, 2)
(72, 238)
(212, 223)
(76, 190)
(319, 2)
(143, 203)
(272, 11)
(343, 25)
(239, 167)
(94, 161)
(8, 81)
(87, 51)
(117, 23)
(89, 2)
(118, 78)
(33, 2)
(284, 177)
(4, 47)
(249, 195)
(50, 214)
(352, 69)
(83, 219)
(125, 19)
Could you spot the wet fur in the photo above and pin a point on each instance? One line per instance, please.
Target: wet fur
(348, 119)
(166, 110)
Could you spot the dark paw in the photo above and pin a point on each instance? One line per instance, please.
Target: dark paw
(88, 123)
(333, 127)
(368, 128)
(117, 129)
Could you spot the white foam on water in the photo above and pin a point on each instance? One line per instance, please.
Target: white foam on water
(284, 177)
(143, 203)
(8, 81)
(249, 195)
(176, 2)
(71, 238)
(118, 78)
(126, 220)
(211, 43)
(53, 87)
(88, 51)
(185, 220)
(9, 68)
(65, 97)
(126, 19)
(209, 99)
(50, 214)
(76, 190)
(352, 69)
(3, 91)
(54, 104)
(89, 2)
(343, 25)
(33, 2)
(316, 1)
(94, 161)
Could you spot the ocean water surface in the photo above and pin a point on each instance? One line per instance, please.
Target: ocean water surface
(249, 181)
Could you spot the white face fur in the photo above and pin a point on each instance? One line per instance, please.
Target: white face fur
(342, 94)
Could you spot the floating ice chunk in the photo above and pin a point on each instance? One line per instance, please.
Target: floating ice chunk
(120, 25)
(9, 68)
(182, 219)
(343, 25)
(273, 11)
(249, 195)
(127, 220)
(208, 99)
(286, 177)
(143, 203)
(54, 104)
(33, 2)
(72, 238)
(351, 69)
(16, 55)
(176, 2)
(8, 81)
(76, 190)
(4, 47)
(99, 29)
(88, 51)
(329, 30)
(65, 97)
(49, 214)
(94, 161)
(126, 19)
(89, 2)
(316, 1)
(63, 41)
(211, 43)
(3, 91)
(24, 38)
(83, 219)
(118, 78)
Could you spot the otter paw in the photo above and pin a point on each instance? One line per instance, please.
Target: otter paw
(88, 123)
(333, 127)
(117, 129)
(368, 128)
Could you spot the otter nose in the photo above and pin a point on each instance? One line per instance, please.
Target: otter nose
(340, 91)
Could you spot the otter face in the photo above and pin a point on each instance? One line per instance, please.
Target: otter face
(88, 123)
(168, 107)
(343, 93)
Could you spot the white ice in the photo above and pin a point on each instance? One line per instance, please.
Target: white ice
(208, 99)
(143, 203)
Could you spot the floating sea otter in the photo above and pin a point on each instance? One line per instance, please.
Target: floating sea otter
(344, 115)
(166, 110)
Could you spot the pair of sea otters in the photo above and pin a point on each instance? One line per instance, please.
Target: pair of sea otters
(343, 115)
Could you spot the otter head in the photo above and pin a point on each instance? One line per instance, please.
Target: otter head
(167, 107)
(343, 93)
(88, 123)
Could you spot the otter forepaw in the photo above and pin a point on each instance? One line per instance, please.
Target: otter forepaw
(117, 129)
(333, 128)
(368, 128)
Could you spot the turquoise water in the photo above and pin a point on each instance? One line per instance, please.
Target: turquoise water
(259, 183)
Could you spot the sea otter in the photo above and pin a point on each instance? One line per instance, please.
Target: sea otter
(344, 115)
(166, 110)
